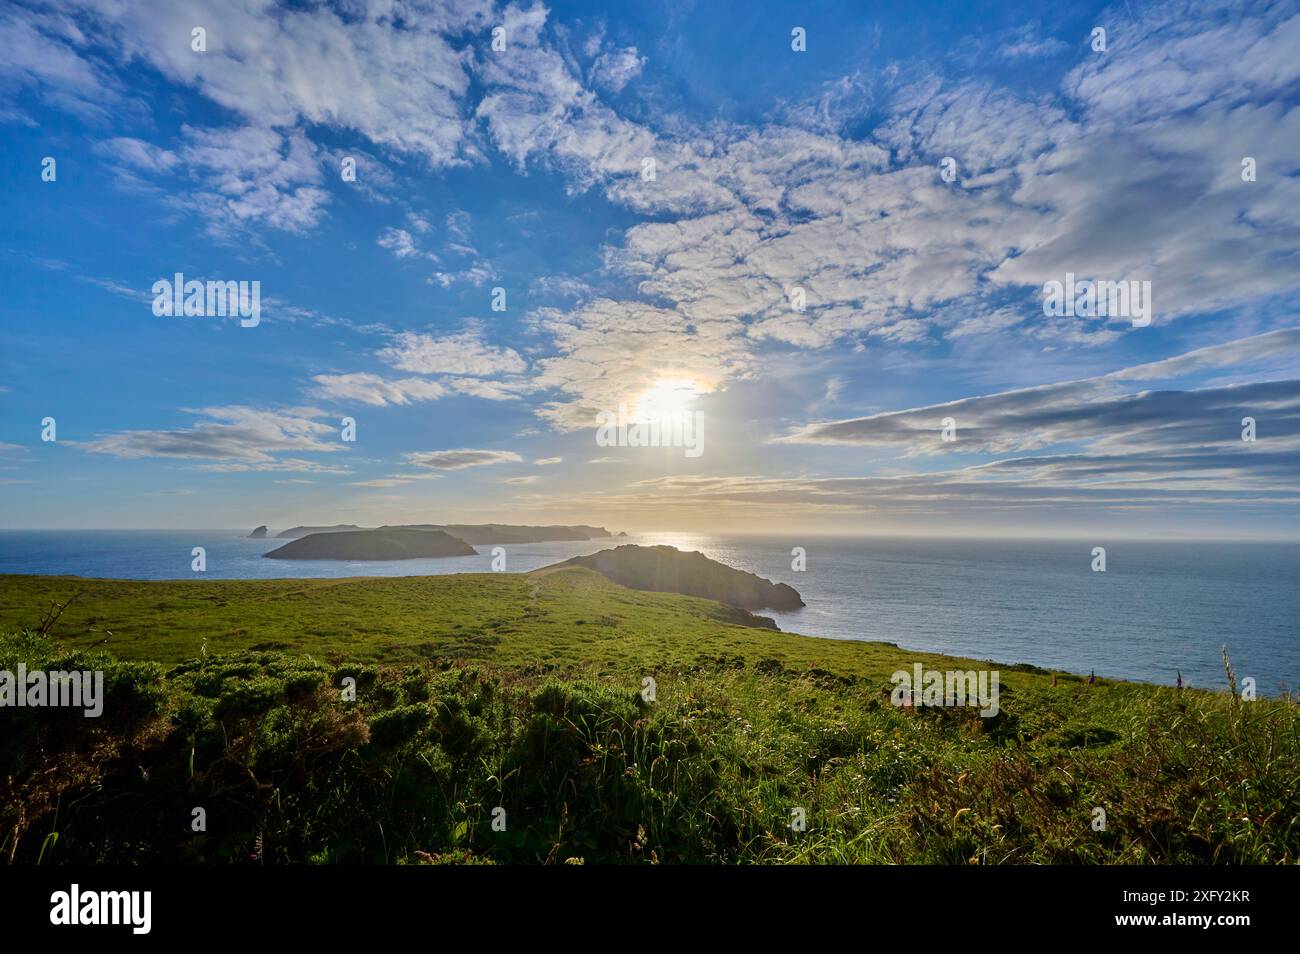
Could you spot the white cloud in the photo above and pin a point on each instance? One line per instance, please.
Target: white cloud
(488, 390)
(246, 435)
(396, 74)
(476, 274)
(1111, 433)
(291, 465)
(399, 242)
(1028, 43)
(461, 458)
(1208, 56)
(881, 245)
(465, 353)
(256, 176)
(46, 53)
(458, 225)
(615, 69)
(249, 176)
(395, 480)
(139, 154)
(387, 71)
(374, 390)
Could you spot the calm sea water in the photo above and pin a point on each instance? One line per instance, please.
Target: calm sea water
(1159, 608)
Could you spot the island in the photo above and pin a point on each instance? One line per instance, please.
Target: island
(491, 534)
(481, 534)
(664, 569)
(258, 534)
(295, 532)
(391, 543)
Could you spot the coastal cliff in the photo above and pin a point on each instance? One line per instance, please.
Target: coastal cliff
(664, 569)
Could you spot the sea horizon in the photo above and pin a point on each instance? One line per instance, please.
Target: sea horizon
(1152, 536)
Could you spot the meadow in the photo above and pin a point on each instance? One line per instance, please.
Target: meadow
(504, 718)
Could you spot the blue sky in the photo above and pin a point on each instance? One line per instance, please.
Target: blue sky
(524, 169)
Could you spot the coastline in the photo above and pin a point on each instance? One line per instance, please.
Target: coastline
(132, 609)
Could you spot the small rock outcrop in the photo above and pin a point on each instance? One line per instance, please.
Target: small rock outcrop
(258, 534)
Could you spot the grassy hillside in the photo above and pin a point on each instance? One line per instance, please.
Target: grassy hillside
(573, 618)
(522, 692)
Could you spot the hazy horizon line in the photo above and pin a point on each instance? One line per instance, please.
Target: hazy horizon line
(784, 534)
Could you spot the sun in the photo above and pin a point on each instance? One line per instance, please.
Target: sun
(668, 398)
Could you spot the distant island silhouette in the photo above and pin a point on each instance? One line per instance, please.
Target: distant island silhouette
(483, 534)
(388, 544)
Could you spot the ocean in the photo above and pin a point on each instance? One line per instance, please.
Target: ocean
(1160, 607)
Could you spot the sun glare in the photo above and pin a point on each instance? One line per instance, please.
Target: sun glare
(668, 398)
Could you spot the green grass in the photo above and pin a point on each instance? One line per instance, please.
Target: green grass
(573, 618)
(522, 692)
